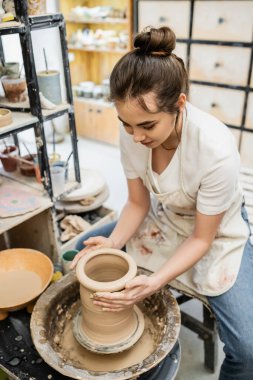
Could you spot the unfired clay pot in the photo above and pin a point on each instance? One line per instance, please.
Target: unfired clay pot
(106, 270)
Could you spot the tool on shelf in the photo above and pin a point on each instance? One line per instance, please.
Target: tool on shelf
(45, 58)
(30, 154)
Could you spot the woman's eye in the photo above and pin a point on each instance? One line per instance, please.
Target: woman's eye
(149, 127)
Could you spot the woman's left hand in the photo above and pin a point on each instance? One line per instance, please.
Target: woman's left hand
(135, 291)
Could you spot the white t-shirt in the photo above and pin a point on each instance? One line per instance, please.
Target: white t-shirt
(205, 169)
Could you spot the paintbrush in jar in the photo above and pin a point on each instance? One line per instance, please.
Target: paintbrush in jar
(30, 155)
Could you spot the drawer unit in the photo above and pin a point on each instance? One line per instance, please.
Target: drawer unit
(223, 20)
(221, 64)
(220, 46)
(225, 104)
(246, 148)
(249, 113)
(181, 51)
(236, 133)
(175, 14)
(96, 121)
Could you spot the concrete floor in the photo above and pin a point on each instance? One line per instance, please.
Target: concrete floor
(192, 358)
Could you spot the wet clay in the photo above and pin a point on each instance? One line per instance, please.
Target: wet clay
(18, 286)
(71, 352)
(99, 331)
(51, 328)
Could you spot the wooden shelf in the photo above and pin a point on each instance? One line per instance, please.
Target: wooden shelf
(98, 50)
(98, 21)
(33, 184)
(10, 24)
(20, 119)
(97, 119)
(94, 102)
(64, 107)
(11, 27)
(23, 180)
(8, 223)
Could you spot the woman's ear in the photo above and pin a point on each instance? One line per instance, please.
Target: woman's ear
(181, 102)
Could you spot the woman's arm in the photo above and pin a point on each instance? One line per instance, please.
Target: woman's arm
(185, 256)
(133, 213)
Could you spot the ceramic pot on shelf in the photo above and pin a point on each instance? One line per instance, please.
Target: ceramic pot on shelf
(49, 85)
(27, 169)
(8, 158)
(14, 88)
(106, 270)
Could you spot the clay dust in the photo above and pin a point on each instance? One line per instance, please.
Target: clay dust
(51, 328)
(72, 353)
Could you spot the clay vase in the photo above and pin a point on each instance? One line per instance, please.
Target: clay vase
(106, 270)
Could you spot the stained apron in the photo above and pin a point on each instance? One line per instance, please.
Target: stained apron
(171, 220)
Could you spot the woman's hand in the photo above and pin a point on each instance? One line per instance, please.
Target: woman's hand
(135, 291)
(91, 244)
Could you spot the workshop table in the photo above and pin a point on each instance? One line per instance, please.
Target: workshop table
(20, 360)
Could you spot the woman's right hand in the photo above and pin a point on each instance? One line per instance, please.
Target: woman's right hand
(91, 244)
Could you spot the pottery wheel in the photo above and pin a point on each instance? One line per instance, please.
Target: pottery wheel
(52, 334)
(108, 348)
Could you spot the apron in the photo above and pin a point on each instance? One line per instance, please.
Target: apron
(171, 220)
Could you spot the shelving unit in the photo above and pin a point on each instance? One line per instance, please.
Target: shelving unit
(30, 115)
(25, 230)
(37, 229)
(35, 116)
(96, 120)
(93, 63)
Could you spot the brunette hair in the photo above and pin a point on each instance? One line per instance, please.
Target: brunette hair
(151, 67)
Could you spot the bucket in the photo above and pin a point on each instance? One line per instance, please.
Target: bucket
(14, 89)
(49, 85)
(9, 163)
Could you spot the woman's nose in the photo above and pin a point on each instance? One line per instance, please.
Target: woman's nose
(138, 136)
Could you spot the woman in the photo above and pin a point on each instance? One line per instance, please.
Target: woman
(184, 218)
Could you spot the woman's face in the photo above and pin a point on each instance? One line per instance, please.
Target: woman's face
(149, 129)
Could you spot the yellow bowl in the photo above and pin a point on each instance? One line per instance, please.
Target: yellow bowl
(5, 117)
(24, 275)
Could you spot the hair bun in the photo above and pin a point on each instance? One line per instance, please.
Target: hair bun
(161, 41)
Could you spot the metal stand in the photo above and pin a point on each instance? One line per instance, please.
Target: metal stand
(206, 330)
(27, 25)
